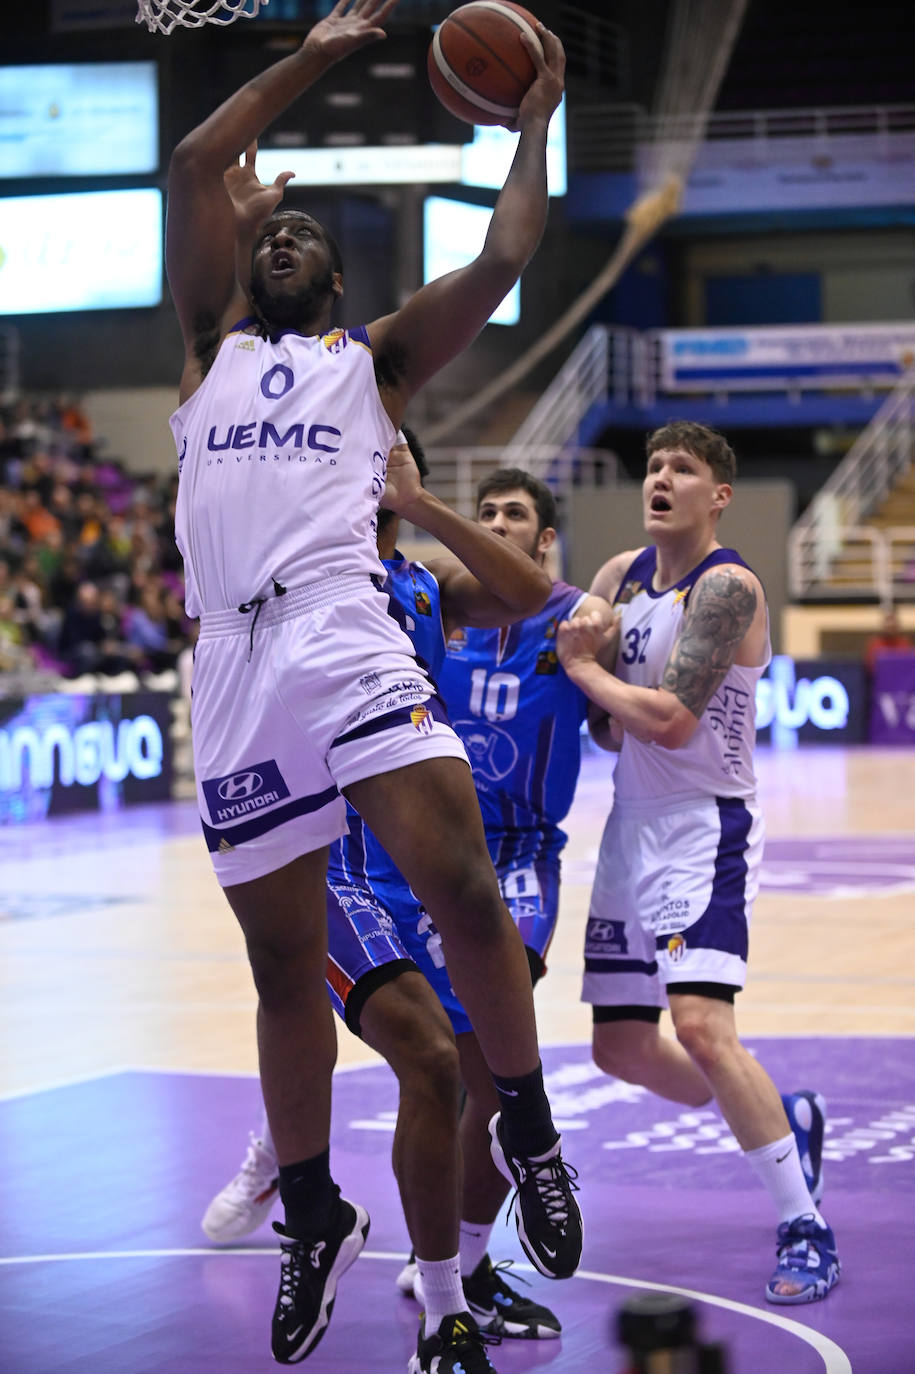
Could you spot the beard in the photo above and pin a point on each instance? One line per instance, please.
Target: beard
(283, 309)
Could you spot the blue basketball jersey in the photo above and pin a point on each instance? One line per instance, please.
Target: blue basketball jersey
(415, 603)
(519, 717)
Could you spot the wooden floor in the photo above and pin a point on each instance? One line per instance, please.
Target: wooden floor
(117, 947)
(125, 993)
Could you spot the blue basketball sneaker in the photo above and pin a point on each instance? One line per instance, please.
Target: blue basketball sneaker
(808, 1265)
(806, 1112)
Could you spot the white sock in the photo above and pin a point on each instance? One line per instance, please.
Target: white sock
(474, 1239)
(778, 1167)
(443, 1295)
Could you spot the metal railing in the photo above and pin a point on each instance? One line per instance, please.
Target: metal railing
(877, 459)
(455, 472)
(860, 561)
(607, 136)
(580, 383)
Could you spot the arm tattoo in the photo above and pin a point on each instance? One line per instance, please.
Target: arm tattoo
(720, 612)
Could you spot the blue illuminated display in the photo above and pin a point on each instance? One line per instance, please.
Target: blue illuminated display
(61, 753)
(809, 700)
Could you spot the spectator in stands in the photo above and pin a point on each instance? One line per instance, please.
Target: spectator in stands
(36, 517)
(890, 639)
(76, 425)
(148, 630)
(13, 534)
(68, 523)
(28, 601)
(14, 653)
(89, 641)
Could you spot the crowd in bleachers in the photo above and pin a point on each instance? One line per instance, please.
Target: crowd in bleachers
(90, 576)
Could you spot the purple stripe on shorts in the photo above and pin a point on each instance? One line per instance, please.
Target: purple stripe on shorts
(401, 716)
(723, 925)
(267, 820)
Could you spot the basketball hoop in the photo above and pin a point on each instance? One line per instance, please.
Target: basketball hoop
(161, 16)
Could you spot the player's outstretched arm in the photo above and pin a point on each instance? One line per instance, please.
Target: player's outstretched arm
(443, 318)
(494, 583)
(200, 232)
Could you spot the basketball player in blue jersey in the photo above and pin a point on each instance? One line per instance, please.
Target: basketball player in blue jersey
(678, 869)
(519, 716)
(305, 689)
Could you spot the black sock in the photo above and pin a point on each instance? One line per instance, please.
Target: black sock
(310, 1197)
(526, 1119)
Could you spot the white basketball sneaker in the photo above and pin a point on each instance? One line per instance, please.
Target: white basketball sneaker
(246, 1201)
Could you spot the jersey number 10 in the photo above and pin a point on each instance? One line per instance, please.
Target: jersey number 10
(495, 698)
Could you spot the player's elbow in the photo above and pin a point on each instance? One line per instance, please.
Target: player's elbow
(185, 161)
(504, 260)
(677, 730)
(192, 159)
(533, 595)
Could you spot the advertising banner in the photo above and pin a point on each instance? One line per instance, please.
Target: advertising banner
(775, 358)
(811, 701)
(893, 699)
(62, 753)
(799, 173)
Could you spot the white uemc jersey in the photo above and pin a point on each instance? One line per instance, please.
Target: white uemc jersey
(282, 454)
(718, 760)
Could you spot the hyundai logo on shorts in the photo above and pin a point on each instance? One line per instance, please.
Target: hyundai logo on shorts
(241, 785)
(240, 794)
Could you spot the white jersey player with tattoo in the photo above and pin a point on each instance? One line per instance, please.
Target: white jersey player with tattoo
(679, 860)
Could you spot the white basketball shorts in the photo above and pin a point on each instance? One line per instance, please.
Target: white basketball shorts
(672, 898)
(322, 690)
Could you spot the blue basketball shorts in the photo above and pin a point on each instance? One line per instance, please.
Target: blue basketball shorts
(377, 927)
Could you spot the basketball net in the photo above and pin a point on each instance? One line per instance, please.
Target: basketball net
(700, 40)
(161, 16)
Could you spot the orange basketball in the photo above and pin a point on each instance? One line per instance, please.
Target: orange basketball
(477, 63)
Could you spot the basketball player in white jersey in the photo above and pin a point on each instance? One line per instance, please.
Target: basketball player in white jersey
(679, 862)
(305, 688)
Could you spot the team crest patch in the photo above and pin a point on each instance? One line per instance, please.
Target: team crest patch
(547, 663)
(335, 340)
(423, 604)
(422, 720)
(676, 948)
(457, 643)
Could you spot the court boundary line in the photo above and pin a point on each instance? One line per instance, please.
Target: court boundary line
(12, 1094)
(834, 1358)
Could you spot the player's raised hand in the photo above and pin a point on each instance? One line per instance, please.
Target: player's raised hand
(350, 25)
(403, 483)
(252, 201)
(545, 91)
